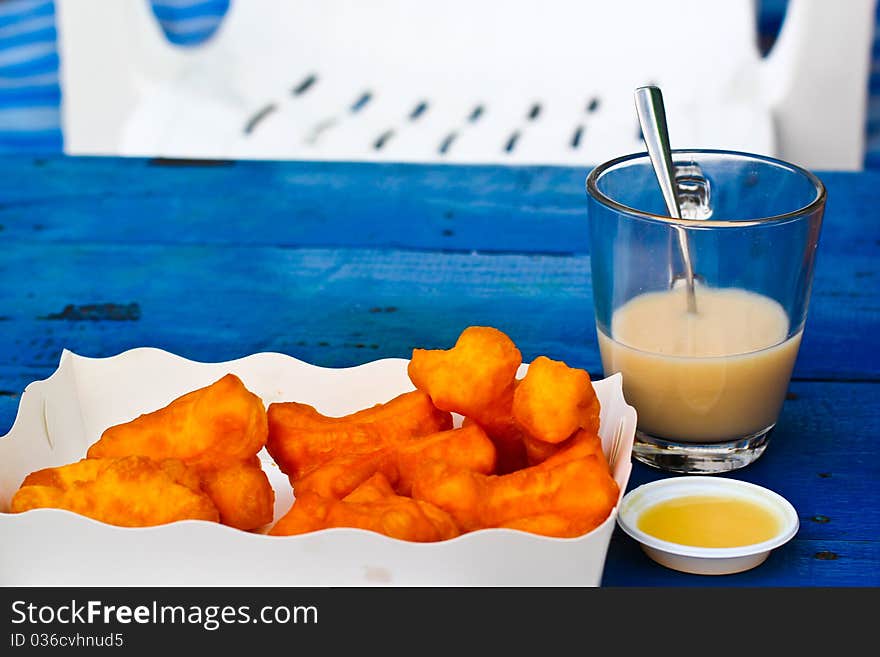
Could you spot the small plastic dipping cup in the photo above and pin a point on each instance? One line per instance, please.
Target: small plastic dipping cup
(708, 387)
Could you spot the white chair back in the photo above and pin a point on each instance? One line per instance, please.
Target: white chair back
(521, 82)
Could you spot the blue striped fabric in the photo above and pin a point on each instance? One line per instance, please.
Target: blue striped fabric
(872, 129)
(30, 96)
(189, 22)
(770, 16)
(30, 93)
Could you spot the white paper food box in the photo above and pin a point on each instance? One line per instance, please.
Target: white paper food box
(59, 418)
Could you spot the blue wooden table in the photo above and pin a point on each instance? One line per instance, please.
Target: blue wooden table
(338, 264)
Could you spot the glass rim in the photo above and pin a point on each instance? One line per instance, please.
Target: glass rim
(604, 199)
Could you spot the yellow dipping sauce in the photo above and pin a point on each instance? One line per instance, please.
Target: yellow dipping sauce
(709, 521)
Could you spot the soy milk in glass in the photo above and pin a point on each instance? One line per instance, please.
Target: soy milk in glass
(720, 373)
(708, 386)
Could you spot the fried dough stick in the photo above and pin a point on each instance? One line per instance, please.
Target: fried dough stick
(472, 375)
(211, 426)
(241, 492)
(566, 495)
(554, 400)
(406, 414)
(476, 378)
(217, 430)
(468, 448)
(582, 443)
(301, 439)
(373, 506)
(132, 491)
(552, 403)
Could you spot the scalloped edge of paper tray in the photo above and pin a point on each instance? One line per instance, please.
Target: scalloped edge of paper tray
(60, 416)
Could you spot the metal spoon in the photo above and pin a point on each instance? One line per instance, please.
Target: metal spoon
(652, 117)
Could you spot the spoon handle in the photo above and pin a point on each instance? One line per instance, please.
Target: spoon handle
(652, 118)
(655, 132)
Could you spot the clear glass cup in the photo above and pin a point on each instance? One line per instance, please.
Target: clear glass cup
(708, 385)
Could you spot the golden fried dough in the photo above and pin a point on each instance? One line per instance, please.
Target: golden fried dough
(411, 413)
(574, 484)
(132, 491)
(472, 375)
(301, 439)
(241, 492)
(217, 431)
(537, 451)
(373, 489)
(499, 424)
(467, 448)
(65, 476)
(527, 456)
(555, 400)
(372, 506)
(211, 426)
(341, 475)
(582, 443)
(476, 378)
(550, 524)
(299, 451)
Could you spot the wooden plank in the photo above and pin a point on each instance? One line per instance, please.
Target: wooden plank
(13, 381)
(342, 307)
(433, 207)
(798, 563)
(328, 307)
(294, 203)
(823, 459)
(99, 200)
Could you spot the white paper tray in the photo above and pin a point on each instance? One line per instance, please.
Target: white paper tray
(59, 418)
